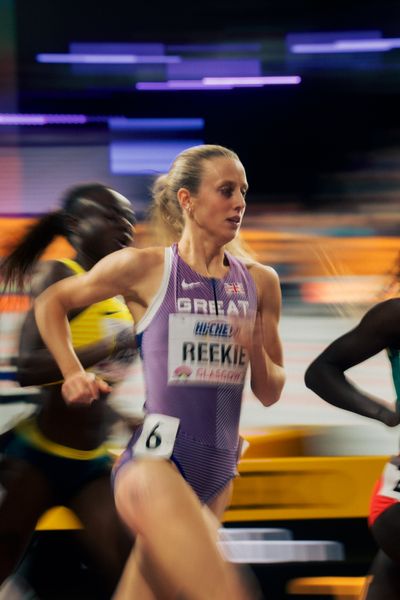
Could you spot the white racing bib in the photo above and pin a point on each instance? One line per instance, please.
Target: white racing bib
(202, 350)
(158, 436)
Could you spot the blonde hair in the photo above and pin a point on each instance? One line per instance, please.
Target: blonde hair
(186, 172)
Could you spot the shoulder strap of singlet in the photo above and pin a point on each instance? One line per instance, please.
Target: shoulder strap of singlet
(73, 265)
(159, 297)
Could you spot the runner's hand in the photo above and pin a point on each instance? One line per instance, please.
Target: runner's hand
(83, 388)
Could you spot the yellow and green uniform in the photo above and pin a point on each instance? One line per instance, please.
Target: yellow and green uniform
(68, 469)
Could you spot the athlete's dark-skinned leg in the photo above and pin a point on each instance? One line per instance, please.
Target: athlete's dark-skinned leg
(25, 495)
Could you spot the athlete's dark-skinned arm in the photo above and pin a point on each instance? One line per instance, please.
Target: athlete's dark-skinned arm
(111, 276)
(35, 364)
(266, 355)
(378, 330)
(38, 367)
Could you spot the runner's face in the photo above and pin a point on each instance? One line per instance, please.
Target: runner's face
(219, 204)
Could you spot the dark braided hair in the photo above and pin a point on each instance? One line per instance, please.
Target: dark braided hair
(19, 263)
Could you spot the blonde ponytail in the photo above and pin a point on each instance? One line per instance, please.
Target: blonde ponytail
(166, 215)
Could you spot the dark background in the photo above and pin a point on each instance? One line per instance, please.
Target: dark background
(290, 139)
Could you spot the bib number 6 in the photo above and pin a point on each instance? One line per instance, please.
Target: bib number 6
(154, 439)
(158, 436)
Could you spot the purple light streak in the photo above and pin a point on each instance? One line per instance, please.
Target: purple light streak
(197, 68)
(107, 59)
(125, 124)
(341, 46)
(25, 119)
(115, 123)
(135, 157)
(253, 81)
(176, 85)
(217, 83)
